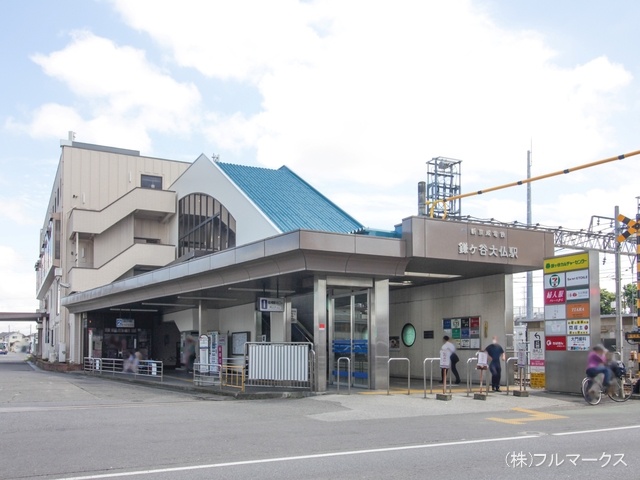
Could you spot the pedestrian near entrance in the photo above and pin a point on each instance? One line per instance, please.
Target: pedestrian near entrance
(453, 358)
(496, 353)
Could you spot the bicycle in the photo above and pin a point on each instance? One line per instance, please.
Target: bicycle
(620, 389)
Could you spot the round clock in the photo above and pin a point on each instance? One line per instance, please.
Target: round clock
(408, 334)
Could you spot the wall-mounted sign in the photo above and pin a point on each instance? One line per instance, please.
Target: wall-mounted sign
(575, 279)
(554, 280)
(566, 263)
(554, 295)
(555, 327)
(556, 343)
(266, 304)
(578, 294)
(125, 323)
(577, 343)
(578, 310)
(555, 311)
(578, 327)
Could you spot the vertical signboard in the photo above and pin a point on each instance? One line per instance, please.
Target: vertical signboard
(536, 358)
(572, 318)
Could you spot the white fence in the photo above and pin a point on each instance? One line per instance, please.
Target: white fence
(288, 365)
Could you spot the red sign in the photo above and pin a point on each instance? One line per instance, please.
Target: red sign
(536, 363)
(556, 343)
(554, 295)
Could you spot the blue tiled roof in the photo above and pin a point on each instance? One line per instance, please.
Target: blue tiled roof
(288, 201)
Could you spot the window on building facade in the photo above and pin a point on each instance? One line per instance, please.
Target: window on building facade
(204, 225)
(151, 181)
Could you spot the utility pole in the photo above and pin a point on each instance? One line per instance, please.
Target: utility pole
(529, 222)
(619, 329)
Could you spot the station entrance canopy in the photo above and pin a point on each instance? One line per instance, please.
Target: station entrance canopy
(428, 251)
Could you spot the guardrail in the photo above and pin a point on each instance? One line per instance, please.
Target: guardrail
(118, 366)
(408, 373)
(207, 374)
(219, 374)
(469, 379)
(424, 374)
(508, 372)
(348, 374)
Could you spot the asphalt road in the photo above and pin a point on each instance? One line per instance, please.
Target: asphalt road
(63, 426)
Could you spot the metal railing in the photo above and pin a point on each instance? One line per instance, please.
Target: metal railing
(408, 373)
(279, 364)
(509, 372)
(207, 374)
(424, 373)
(469, 376)
(348, 374)
(118, 366)
(220, 375)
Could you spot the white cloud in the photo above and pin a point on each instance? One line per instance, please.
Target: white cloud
(123, 98)
(356, 96)
(373, 90)
(240, 40)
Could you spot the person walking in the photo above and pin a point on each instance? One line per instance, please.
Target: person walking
(453, 358)
(496, 353)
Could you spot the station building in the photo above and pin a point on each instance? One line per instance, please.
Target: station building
(141, 253)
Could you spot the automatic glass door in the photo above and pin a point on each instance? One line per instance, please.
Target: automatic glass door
(349, 317)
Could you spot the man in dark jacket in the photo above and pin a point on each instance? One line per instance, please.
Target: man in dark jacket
(496, 353)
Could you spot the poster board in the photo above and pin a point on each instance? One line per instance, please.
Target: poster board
(464, 332)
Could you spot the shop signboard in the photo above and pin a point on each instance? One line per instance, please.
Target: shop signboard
(578, 310)
(578, 278)
(554, 295)
(578, 343)
(577, 294)
(555, 327)
(572, 323)
(556, 343)
(555, 311)
(554, 280)
(578, 327)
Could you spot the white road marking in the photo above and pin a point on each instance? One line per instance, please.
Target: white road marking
(299, 457)
(612, 429)
(335, 454)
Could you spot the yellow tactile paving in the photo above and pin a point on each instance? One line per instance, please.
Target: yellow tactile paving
(533, 416)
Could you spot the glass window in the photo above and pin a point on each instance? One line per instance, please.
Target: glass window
(204, 225)
(151, 181)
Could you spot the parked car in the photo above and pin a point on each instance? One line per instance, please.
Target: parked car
(3, 348)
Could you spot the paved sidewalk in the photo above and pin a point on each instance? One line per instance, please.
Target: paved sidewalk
(462, 401)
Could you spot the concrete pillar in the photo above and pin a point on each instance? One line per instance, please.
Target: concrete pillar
(379, 335)
(320, 332)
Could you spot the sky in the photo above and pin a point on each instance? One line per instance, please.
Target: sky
(354, 96)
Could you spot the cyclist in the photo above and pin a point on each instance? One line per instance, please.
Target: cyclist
(597, 363)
